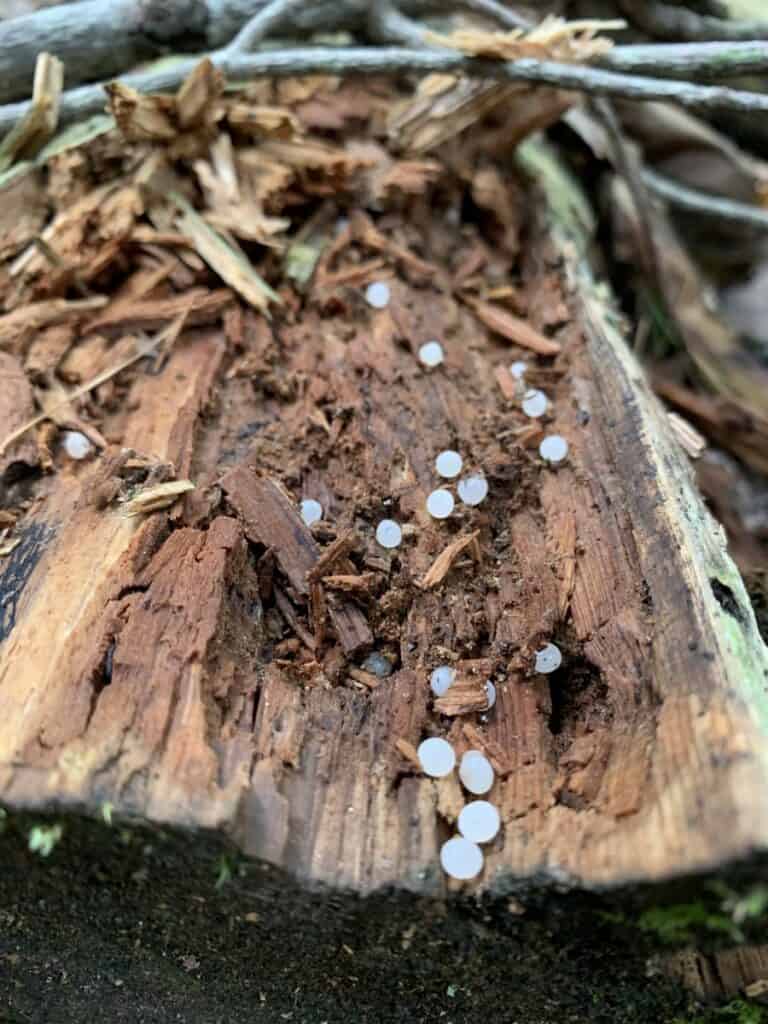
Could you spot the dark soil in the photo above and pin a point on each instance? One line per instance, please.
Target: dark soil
(120, 925)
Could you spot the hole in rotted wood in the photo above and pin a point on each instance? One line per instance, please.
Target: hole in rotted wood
(757, 588)
(102, 677)
(727, 600)
(579, 699)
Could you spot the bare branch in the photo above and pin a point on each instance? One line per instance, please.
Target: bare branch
(695, 201)
(275, 17)
(495, 11)
(387, 25)
(686, 60)
(90, 99)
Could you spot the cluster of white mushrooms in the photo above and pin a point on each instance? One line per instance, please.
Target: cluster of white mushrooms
(479, 820)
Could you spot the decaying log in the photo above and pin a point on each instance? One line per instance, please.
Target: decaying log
(139, 665)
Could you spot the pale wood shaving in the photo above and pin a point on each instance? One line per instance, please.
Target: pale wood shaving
(512, 327)
(465, 697)
(693, 443)
(156, 498)
(442, 564)
(478, 740)
(232, 266)
(407, 750)
(39, 123)
(367, 679)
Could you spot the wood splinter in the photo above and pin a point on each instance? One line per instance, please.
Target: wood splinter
(445, 560)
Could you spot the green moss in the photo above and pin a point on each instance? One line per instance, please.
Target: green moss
(737, 1012)
(43, 838)
(679, 924)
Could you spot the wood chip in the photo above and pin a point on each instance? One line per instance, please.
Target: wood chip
(478, 740)
(442, 564)
(153, 499)
(200, 306)
(694, 443)
(271, 518)
(287, 610)
(512, 327)
(465, 697)
(367, 679)
(34, 129)
(564, 528)
(507, 383)
(364, 230)
(336, 550)
(198, 96)
(362, 584)
(263, 122)
(350, 624)
(232, 266)
(19, 326)
(407, 750)
(317, 613)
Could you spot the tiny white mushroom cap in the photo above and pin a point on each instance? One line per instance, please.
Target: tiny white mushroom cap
(476, 772)
(377, 295)
(479, 821)
(548, 659)
(311, 511)
(553, 448)
(472, 489)
(389, 534)
(436, 757)
(441, 680)
(517, 369)
(77, 445)
(440, 503)
(461, 858)
(490, 689)
(431, 354)
(535, 403)
(448, 464)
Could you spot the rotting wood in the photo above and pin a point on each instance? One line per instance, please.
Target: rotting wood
(608, 771)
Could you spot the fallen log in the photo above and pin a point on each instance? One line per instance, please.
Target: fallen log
(180, 670)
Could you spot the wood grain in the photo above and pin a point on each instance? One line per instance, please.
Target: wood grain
(177, 667)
